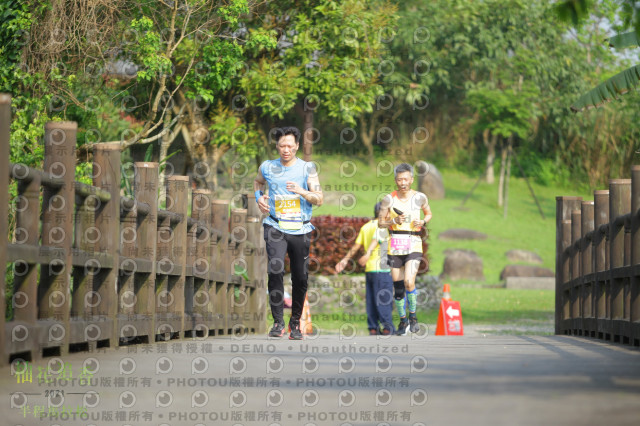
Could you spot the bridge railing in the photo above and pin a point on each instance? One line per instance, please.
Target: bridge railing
(598, 263)
(92, 268)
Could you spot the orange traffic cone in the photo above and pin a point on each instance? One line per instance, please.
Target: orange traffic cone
(450, 316)
(306, 327)
(446, 292)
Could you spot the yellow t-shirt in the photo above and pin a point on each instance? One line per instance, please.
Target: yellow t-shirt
(367, 233)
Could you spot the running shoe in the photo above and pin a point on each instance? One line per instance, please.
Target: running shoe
(413, 323)
(402, 327)
(277, 330)
(294, 332)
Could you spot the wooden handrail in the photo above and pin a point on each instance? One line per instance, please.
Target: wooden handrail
(124, 254)
(597, 290)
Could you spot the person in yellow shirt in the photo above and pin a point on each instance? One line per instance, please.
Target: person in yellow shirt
(379, 287)
(400, 213)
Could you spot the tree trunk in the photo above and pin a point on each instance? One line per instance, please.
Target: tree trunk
(209, 156)
(200, 149)
(490, 143)
(503, 163)
(506, 184)
(367, 133)
(307, 135)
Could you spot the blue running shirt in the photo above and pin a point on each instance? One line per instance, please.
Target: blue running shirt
(277, 177)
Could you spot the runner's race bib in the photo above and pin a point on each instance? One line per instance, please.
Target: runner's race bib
(400, 244)
(288, 211)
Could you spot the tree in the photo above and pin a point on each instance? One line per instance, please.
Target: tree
(578, 11)
(329, 53)
(617, 85)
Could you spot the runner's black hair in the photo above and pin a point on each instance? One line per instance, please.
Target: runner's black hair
(288, 130)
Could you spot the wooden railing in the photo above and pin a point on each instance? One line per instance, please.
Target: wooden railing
(598, 263)
(92, 268)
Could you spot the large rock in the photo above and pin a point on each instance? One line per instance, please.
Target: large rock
(462, 265)
(523, 256)
(429, 180)
(525, 271)
(461, 234)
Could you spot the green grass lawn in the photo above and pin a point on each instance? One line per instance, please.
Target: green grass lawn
(480, 306)
(522, 229)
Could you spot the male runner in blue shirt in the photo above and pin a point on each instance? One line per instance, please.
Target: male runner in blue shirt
(293, 188)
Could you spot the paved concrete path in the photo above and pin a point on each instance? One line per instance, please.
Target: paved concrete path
(493, 380)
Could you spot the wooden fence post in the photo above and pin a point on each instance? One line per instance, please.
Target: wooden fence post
(634, 296)
(259, 266)
(25, 279)
(221, 224)
(57, 232)
(5, 125)
(177, 199)
(212, 275)
(600, 252)
(238, 297)
(146, 191)
(216, 276)
(82, 330)
(587, 268)
(164, 266)
(564, 207)
(576, 273)
(128, 267)
(168, 326)
(200, 211)
(619, 204)
(106, 176)
(189, 282)
(566, 277)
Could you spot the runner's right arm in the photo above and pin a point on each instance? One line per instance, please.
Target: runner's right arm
(383, 217)
(343, 262)
(260, 184)
(365, 257)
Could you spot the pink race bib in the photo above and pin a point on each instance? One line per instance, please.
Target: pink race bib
(401, 243)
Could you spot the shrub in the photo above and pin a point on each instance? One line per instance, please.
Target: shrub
(332, 239)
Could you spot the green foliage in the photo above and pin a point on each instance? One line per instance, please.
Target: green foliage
(621, 41)
(579, 11)
(15, 22)
(148, 51)
(574, 10)
(330, 53)
(509, 65)
(545, 171)
(148, 155)
(221, 61)
(609, 90)
(232, 12)
(504, 112)
(260, 39)
(227, 129)
(29, 106)
(264, 89)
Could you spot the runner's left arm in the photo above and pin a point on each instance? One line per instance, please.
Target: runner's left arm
(426, 210)
(424, 206)
(260, 184)
(314, 195)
